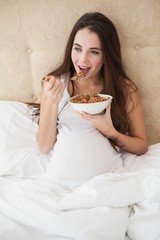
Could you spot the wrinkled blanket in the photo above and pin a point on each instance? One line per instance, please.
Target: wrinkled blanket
(105, 207)
(110, 206)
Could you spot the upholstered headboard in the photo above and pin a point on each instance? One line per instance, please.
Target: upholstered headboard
(33, 34)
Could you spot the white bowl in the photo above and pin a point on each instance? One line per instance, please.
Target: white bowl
(91, 108)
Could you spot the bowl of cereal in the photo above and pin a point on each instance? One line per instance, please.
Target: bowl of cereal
(90, 103)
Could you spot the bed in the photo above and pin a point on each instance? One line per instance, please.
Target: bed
(116, 206)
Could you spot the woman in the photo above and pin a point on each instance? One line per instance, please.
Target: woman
(93, 48)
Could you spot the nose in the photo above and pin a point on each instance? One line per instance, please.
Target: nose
(83, 58)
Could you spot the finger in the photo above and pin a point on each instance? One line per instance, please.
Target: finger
(58, 94)
(107, 113)
(59, 88)
(46, 79)
(52, 84)
(108, 108)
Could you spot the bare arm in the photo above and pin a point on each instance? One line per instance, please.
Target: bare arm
(52, 92)
(136, 140)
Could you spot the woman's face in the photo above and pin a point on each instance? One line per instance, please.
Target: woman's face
(87, 54)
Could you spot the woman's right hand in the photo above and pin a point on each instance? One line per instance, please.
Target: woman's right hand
(53, 89)
(52, 92)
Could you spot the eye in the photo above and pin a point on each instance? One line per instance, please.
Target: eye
(95, 52)
(77, 49)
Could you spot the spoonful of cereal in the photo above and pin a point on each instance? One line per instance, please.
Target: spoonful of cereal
(78, 76)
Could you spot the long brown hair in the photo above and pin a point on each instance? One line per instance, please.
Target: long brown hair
(114, 76)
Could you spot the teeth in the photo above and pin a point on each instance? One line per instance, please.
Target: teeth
(85, 68)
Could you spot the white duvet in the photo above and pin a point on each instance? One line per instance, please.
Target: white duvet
(109, 206)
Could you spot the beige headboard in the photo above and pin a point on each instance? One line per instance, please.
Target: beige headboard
(33, 34)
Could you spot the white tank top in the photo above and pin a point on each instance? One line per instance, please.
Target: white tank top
(81, 151)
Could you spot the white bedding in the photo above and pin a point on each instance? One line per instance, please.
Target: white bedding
(106, 207)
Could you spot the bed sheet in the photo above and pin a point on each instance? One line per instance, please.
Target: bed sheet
(108, 206)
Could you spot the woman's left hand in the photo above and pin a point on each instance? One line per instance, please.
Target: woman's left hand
(102, 122)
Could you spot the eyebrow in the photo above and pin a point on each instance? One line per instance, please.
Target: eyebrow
(92, 48)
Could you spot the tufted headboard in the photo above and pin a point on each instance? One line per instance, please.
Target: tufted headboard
(33, 34)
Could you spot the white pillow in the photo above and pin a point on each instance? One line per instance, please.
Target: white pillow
(19, 154)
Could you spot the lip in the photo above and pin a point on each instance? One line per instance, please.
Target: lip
(84, 69)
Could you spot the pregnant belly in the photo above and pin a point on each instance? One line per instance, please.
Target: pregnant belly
(83, 157)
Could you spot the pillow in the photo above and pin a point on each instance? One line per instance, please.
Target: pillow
(19, 154)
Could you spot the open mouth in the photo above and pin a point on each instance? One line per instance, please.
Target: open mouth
(84, 70)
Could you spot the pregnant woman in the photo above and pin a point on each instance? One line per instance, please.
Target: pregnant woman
(85, 145)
